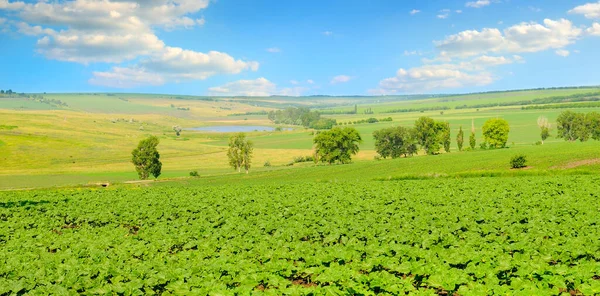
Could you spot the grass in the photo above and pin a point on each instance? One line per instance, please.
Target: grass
(93, 139)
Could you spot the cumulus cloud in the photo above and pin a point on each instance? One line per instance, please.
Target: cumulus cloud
(562, 52)
(414, 11)
(173, 64)
(589, 10)
(521, 38)
(71, 46)
(430, 77)
(126, 78)
(594, 30)
(115, 31)
(260, 87)
(478, 3)
(186, 64)
(4, 4)
(340, 79)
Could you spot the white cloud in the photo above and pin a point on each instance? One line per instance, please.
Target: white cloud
(260, 87)
(340, 79)
(26, 29)
(444, 76)
(179, 63)
(126, 78)
(478, 3)
(594, 30)
(88, 48)
(443, 16)
(562, 52)
(294, 82)
(589, 10)
(327, 33)
(414, 11)
(273, 50)
(173, 64)
(310, 81)
(458, 11)
(115, 31)
(524, 37)
(4, 4)
(432, 77)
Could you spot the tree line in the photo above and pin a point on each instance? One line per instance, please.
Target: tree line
(432, 136)
(301, 116)
(573, 126)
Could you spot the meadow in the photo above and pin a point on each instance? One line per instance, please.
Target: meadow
(89, 140)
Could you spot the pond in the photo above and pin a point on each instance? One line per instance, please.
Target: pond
(234, 128)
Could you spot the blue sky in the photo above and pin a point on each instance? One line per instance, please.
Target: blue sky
(261, 47)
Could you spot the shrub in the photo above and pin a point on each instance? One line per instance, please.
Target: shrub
(299, 159)
(267, 164)
(518, 161)
(483, 146)
(194, 174)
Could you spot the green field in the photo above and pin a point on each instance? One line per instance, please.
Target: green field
(525, 236)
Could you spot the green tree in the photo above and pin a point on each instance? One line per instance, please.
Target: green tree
(146, 158)
(393, 142)
(572, 126)
(1, 91)
(460, 139)
(235, 153)
(472, 140)
(246, 154)
(495, 132)
(594, 125)
(337, 145)
(426, 132)
(444, 134)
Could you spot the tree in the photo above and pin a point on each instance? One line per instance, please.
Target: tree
(146, 158)
(426, 135)
(444, 133)
(1, 91)
(472, 140)
(246, 154)
(177, 130)
(337, 145)
(594, 124)
(460, 139)
(572, 126)
(236, 143)
(393, 142)
(544, 126)
(495, 132)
